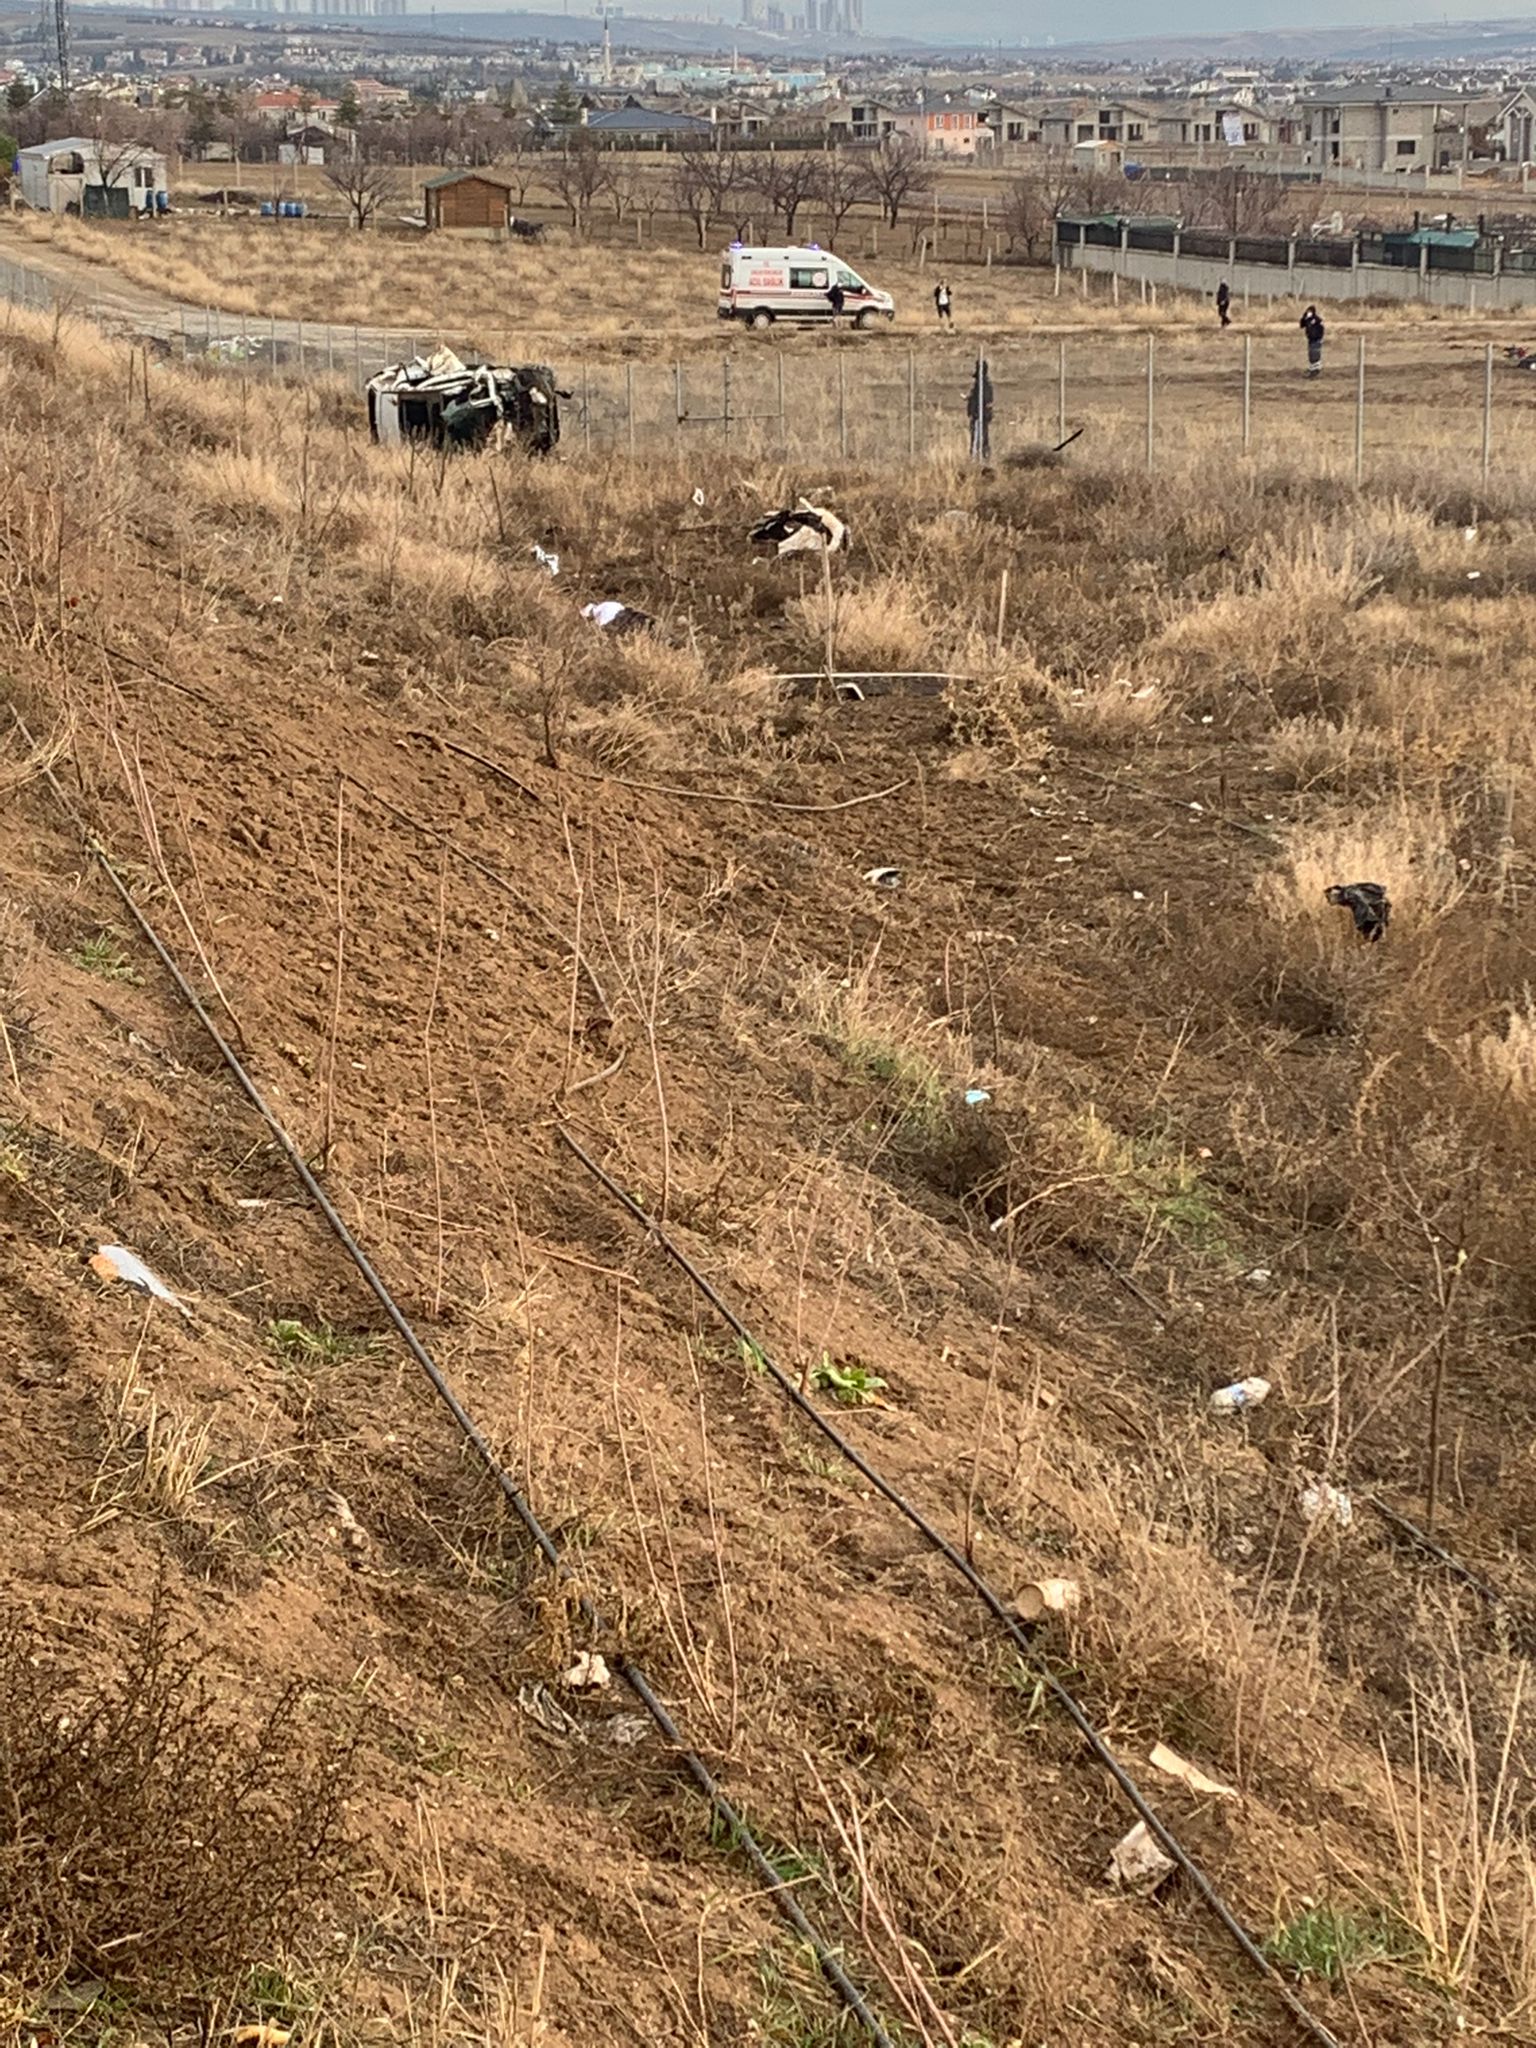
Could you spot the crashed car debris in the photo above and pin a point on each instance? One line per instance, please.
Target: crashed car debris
(453, 404)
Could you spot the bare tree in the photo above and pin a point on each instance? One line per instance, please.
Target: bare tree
(845, 184)
(621, 186)
(789, 180)
(1032, 200)
(365, 184)
(579, 174)
(899, 172)
(517, 158)
(1237, 202)
(705, 180)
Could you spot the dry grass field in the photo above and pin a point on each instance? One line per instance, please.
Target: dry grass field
(593, 296)
(1011, 1165)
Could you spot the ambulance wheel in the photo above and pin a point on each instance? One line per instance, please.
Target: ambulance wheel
(762, 320)
(864, 319)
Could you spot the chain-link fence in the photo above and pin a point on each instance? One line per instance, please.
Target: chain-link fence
(1401, 397)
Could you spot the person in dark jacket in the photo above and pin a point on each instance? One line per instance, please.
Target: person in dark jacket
(978, 410)
(839, 299)
(1311, 324)
(1224, 303)
(944, 303)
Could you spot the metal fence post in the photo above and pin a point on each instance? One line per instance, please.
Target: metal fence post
(911, 403)
(629, 404)
(586, 407)
(182, 319)
(272, 339)
(299, 344)
(842, 406)
(725, 397)
(330, 348)
(1360, 413)
(783, 416)
(357, 357)
(1061, 389)
(1151, 362)
(677, 385)
(1247, 392)
(1487, 412)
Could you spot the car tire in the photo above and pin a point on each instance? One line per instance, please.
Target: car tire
(761, 320)
(864, 319)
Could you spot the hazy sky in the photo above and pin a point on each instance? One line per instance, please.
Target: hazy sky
(1105, 18)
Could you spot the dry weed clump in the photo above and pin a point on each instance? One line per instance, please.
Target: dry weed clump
(1498, 1067)
(995, 697)
(1345, 755)
(145, 1836)
(879, 625)
(1111, 711)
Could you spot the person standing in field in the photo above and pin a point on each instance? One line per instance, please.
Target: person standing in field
(1224, 303)
(1311, 324)
(944, 302)
(839, 299)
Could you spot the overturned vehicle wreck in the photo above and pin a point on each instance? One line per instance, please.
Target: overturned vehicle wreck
(451, 404)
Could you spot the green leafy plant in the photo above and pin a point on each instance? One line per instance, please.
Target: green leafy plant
(853, 1385)
(322, 1345)
(1327, 1941)
(103, 956)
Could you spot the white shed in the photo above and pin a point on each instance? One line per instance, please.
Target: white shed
(79, 174)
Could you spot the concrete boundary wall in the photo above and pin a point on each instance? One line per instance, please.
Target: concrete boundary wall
(1448, 288)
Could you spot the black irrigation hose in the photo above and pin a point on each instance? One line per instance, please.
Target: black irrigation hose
(737, 1831)
(1301, 2013)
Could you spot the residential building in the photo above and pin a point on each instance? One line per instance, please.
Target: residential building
(654, 127)
(1514, 131)
(1128, 123)
(944, 127)
(375, 98)
(1013, 127)
(861, 120)
(1384, 130)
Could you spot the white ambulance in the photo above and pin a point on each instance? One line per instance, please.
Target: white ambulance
(764, 285)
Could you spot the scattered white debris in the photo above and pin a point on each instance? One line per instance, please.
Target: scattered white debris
(1138, 896)
(883, 878)
(265, 2034)
(605, 613)
(1048, 1596)
(1197, 807)
(1241, 1394)
(588, 1674)
(628, 1731)
(546, 559)
(698, 497)
(1469, 534)
(1147, 690)
(1139, 1860)
(1260, 1276)
(1321, 1500)
(1172, 1765)
(116, 1262)
(975, 1097)
(353, 1534)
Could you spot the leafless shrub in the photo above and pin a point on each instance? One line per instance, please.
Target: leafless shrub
(145, 1836)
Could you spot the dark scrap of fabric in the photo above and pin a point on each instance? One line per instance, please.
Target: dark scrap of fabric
(1366, 903)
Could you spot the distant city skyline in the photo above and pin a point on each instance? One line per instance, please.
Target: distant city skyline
(1114, 20)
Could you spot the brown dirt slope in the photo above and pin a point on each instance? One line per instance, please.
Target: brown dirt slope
(1220, 1139)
